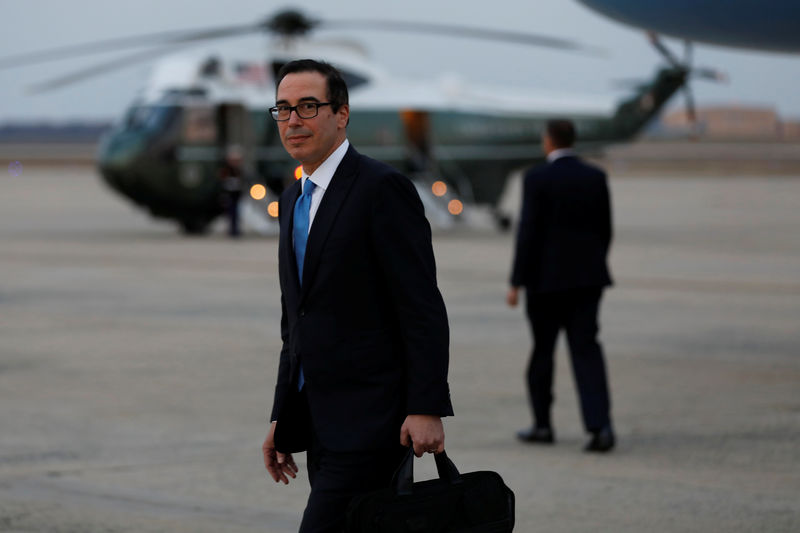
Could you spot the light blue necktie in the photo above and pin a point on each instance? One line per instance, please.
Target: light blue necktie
(302, 210)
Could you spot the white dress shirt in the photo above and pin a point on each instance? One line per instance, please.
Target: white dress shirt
(322, 178)
(557, 154)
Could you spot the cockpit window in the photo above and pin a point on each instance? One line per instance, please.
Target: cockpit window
(151, 117)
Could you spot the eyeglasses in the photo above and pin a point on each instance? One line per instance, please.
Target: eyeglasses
(304, 110)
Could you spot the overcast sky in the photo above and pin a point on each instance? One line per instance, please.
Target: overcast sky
(762, 79)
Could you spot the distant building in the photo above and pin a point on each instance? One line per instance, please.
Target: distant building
(791, 130)
(732, 122)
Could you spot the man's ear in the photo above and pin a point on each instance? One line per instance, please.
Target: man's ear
(547, 145)
(343, 116)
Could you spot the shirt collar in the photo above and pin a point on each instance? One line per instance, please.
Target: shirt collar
(324, 174)
(558, 154)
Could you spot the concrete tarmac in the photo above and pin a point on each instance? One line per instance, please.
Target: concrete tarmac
(137, 367)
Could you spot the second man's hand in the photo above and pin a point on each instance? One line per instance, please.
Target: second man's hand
(279, 465)
(512, 298)
(426, 432)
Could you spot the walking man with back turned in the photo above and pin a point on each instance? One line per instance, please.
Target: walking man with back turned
(561, 260)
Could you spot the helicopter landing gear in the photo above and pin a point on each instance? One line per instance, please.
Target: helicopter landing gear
(194, 226)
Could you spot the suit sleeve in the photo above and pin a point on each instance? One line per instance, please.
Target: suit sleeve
(608, 223)
(402, 240)
(283, 365)
(523, 253)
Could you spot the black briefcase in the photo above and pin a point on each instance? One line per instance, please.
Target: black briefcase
(475, 502)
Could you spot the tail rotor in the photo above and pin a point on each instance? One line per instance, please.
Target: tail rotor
(690, 72)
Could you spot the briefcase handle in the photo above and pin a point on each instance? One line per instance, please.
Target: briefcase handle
(403, 480)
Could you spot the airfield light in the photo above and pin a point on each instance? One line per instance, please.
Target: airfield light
(298, 172)
(258, 191)
(272, 209)
(439, 188)
(455, 207)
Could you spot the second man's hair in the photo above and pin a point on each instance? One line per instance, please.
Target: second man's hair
(561, 132)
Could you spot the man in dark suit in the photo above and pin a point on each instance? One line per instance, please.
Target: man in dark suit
(363, 368)
(562, 246)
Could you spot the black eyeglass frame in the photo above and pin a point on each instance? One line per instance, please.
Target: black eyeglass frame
(273, 111)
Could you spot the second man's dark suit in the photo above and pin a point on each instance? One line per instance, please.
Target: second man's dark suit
(561, 259)
(368, 325)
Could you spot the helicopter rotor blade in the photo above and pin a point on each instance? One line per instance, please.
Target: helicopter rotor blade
(665, 52)
(709, 74)
(97, 70)
(464, 31)
(151, 39)
(287, 24)
(691, 112)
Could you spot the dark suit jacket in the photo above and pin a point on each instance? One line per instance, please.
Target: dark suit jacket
(369, 324)
(565, 228)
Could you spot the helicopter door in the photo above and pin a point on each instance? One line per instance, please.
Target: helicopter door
(199, 127)
(236, 129)
(417, 130)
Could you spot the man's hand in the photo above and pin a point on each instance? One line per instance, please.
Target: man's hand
(512, 298)
(278, 464)
(425, 431)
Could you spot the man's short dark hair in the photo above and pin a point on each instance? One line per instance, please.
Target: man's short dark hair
(561, 132)
(337, 88)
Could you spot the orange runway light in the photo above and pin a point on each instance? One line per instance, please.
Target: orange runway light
(272, 209)
(455, 207)
(298, 172)
(258, 191)
(439, 188)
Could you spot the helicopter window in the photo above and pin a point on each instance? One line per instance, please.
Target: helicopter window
(150, 117)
